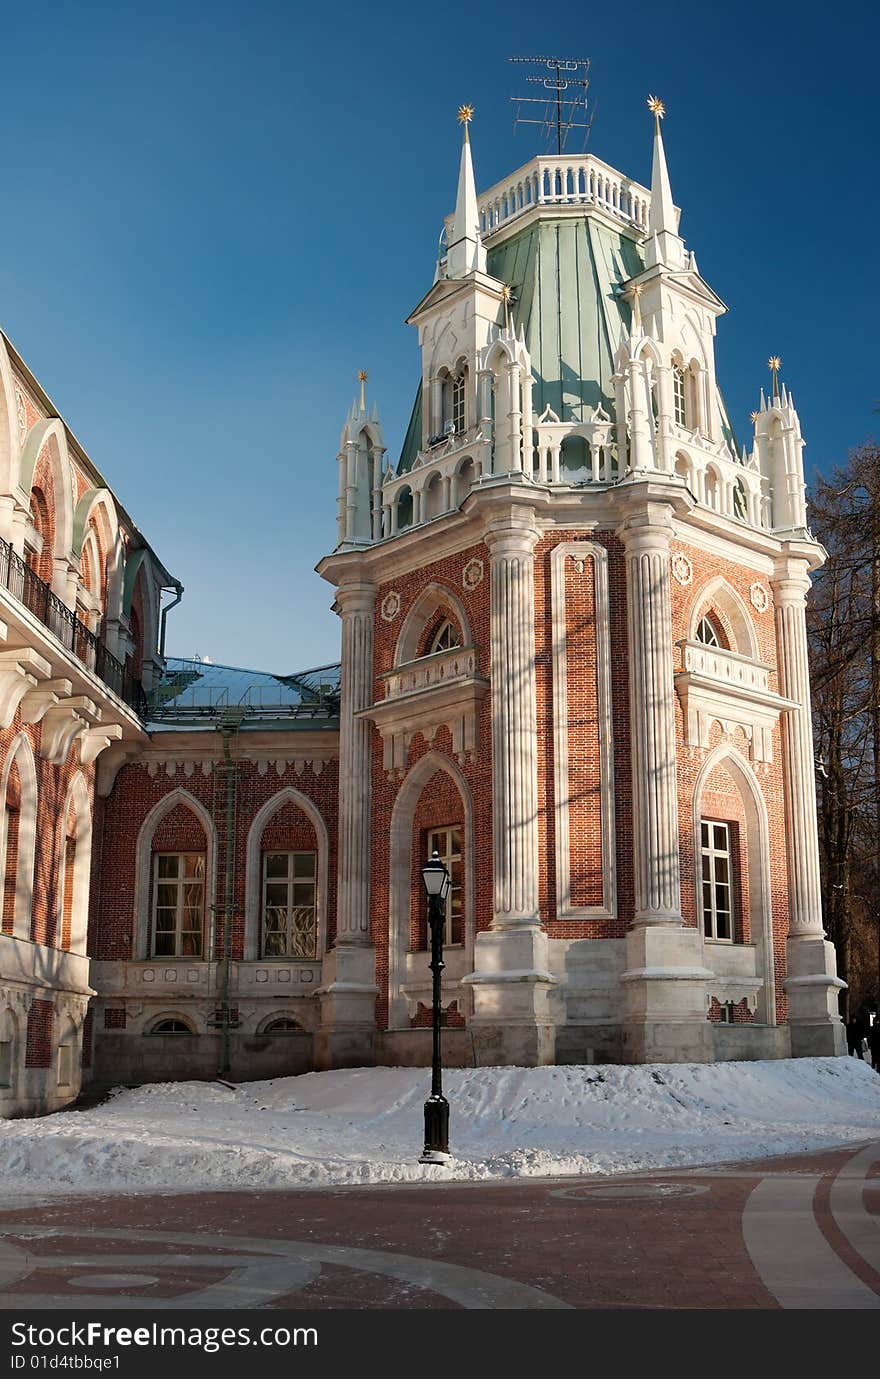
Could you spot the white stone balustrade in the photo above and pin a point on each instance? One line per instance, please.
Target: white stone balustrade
(440, 668)
(564, 181)
(714, 478)
(728, 666)
(438, 482)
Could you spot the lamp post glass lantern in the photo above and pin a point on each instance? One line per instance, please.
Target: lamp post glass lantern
(436, 1150)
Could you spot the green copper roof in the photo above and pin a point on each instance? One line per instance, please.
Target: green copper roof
(566, 275)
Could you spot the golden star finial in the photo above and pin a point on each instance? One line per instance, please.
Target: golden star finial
(362, 379)
(774, 364)
(465, 114)
(363, 376)
(656, 107)
(507, 297)
(753, 417)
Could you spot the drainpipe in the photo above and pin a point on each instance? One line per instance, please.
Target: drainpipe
(165, 611)
(225, 972)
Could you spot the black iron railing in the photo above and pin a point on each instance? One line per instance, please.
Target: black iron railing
(71, 632)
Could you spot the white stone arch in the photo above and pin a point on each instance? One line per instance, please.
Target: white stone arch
(722, 595)
(692, 342)
(429, 602)
(433, 500)
(299, 1015)
(648, 350)
(9, 434)
(77, 798)
(713, 485)
(400, 875)
(95, 518)
(143, 870)
(21, 752)
(153, 1019)
(51, 436)
(445, 349)
(253, 869)
(138, 572)
(10, 1033)
(757, 851)
(684, 468)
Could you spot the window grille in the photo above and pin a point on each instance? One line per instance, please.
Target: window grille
(446, 638)
(717, 888)
(446, 842)
(178, 904)
(706, 633)
(679, 394)
(289, 909)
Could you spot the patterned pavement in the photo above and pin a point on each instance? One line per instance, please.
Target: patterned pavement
(801, 1233)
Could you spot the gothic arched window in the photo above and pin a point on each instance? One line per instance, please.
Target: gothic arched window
(458, 404)
(740, 501)
(707, 633)
(446, 638)
(679, 394)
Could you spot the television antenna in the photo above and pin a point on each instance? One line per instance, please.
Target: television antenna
(566, 81)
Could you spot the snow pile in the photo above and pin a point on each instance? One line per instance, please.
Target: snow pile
(365, 1125)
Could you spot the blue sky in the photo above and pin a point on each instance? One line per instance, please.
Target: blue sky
(213, 216)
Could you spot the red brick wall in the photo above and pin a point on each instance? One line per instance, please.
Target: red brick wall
(477, 772)
(10, 875)
(53, 783)
(38, 1050)
(584, 777)
(690, 759)
(439, 804)
(135, 793)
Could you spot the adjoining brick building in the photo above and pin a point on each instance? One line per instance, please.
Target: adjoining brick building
(573, 661)
(80, 633)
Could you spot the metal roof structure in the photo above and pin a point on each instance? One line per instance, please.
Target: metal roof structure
(196, 693)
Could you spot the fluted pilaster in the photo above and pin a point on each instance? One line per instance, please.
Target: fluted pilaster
(798, 761)
(652, 722)
(355, 603)
(514, 726)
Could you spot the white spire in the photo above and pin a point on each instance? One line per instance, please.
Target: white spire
(465, 252)
(664, 245)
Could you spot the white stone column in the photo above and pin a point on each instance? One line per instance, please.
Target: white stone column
(356, 607)
(641, 455)
(664, 984)
(812, 984)
(652, 720)
(514, 721)
(665, 439)
(514, 417)
(528, 441)
(348, 987)
(516, 1008)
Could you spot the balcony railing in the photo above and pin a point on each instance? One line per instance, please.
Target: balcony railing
(70, 631)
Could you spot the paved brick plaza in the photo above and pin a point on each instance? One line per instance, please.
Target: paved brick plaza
(798, 1232)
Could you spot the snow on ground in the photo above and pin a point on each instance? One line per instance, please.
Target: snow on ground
(365, 1125)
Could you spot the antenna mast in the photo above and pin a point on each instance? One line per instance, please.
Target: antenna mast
(566, 81)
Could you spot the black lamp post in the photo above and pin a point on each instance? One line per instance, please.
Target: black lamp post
(436, 1150)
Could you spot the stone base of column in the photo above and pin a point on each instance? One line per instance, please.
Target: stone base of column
(812, 987)
(346, 1037)
(517, 1006)
(664, 997)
